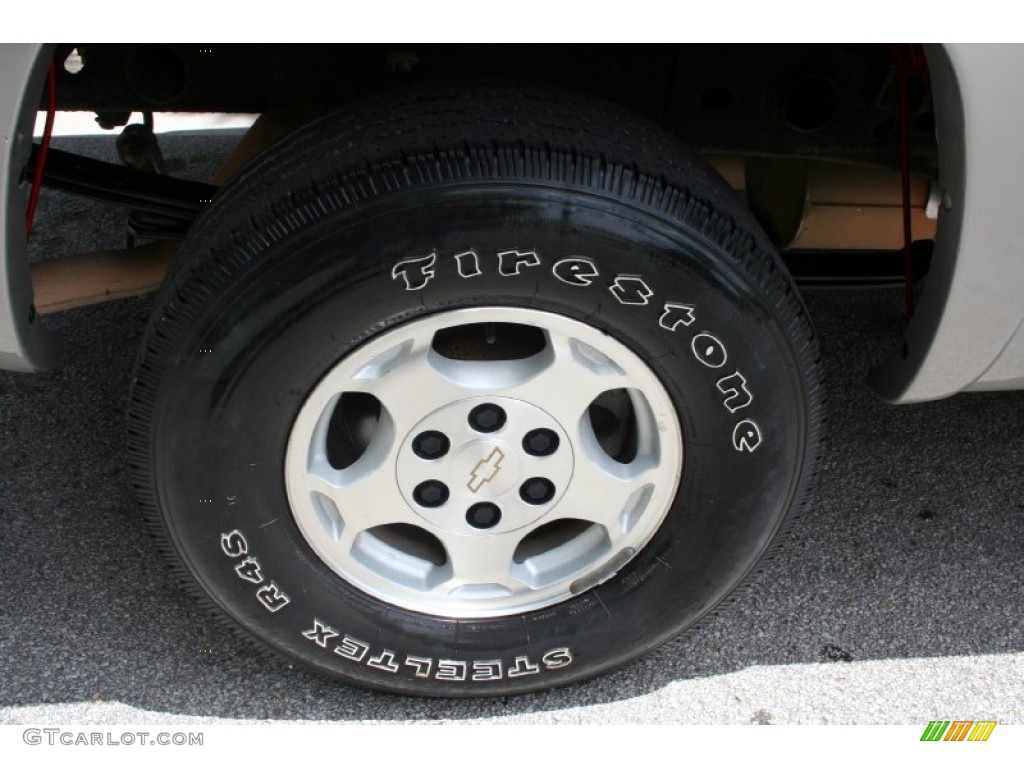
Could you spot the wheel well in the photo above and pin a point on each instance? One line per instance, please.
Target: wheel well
(789, 121)
(827, 101)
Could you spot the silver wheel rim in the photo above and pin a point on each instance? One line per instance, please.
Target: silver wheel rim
(565, 522)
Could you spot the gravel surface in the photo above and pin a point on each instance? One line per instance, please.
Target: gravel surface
(897, 601)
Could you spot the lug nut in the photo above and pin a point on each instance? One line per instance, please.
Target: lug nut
(430, 493)
(537, 490)
(483, 515)
(487, 417)
(540, 442)
(431, 445)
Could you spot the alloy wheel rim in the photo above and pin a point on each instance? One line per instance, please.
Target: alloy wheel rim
(483, 462)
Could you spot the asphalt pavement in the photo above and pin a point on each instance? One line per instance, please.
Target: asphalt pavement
(898, 600)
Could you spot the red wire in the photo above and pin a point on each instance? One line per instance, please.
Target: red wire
(910, 62)
(44, 148)
(908, 238)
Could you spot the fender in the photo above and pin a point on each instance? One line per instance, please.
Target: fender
(25, 345)
(967, 332)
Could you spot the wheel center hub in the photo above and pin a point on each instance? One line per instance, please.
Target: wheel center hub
(487, 469)
(485, 465)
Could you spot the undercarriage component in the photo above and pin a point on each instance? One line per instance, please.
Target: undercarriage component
(804, 205)
(98, 276)
(138, 148)
(109, 183)
(818, 205)
(828, 101)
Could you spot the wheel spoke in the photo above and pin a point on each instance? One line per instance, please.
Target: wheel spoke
(608, 494)
(480, 560)
(575, 374)
(406, 381)
(360, 501)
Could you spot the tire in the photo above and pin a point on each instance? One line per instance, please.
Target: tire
(480, 264)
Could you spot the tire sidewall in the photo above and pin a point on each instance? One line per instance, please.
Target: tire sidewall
(244, 362)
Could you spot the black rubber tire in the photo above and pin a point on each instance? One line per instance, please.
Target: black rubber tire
(294, 265)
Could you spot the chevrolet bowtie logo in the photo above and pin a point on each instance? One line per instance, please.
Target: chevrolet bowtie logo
(485, 470)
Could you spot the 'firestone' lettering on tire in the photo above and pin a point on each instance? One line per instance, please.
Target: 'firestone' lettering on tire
(746, 436)
(415, 272)
(455, 670)
(513, 262)
(576, 270)
(628, 290)
(469, 263)
(631, 290)
(675, 314)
